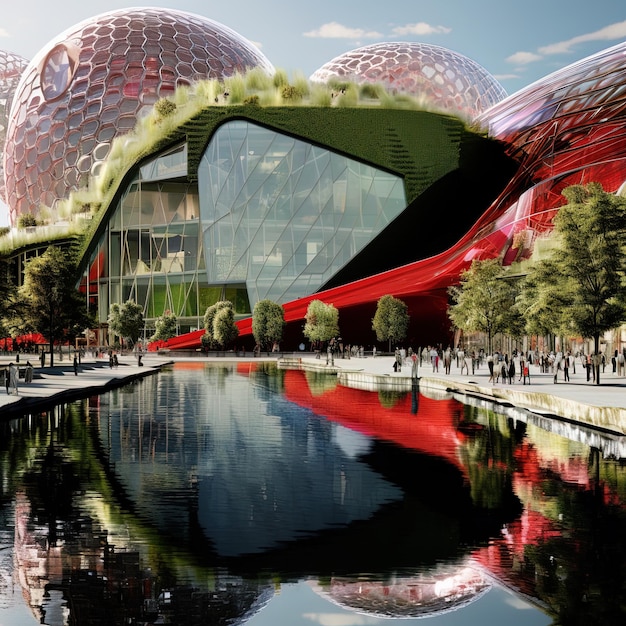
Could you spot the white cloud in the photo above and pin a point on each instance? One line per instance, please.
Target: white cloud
(523, 58)
(608, 33)
(421, 28)
(506, 76)
(334, 30)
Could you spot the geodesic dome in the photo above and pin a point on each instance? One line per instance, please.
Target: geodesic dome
(11, 68)
(90, 84)
(445, 79)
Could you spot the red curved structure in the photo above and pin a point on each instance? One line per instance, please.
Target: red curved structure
(569, 128)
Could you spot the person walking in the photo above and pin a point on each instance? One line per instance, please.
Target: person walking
(13, 376)
(7, 378)
(566, 369)
(490, 366)
(504, 371)
(28, 375)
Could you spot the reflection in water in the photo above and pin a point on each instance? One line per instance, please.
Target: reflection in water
(190, 496)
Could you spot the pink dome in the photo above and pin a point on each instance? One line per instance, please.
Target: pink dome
(11, 68)
(91, 83)
(449, 80)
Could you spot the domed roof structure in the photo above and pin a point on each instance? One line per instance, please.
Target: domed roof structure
(11, 68)
(91, 83)
(446, 79)
(445, 588)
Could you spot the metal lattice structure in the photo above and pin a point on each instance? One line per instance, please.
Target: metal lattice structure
(11, 68)
(443, 78)
(92, 82)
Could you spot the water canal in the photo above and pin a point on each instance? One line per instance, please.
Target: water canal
(238, 493)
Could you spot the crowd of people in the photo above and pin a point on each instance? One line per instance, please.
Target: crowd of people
(509, 368)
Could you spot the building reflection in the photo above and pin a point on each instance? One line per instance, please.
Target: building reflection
(197, 493)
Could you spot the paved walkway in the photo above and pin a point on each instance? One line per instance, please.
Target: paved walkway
(52, 385)
(602, 406)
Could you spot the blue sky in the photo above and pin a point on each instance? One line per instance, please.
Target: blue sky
(517, 42)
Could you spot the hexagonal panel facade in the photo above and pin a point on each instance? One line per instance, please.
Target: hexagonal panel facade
(446, 79)
(11, 68)
(91, 83)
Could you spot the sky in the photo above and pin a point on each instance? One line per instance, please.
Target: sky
(517, 42)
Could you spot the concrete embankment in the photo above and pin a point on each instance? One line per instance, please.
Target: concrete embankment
(54, 385)
(600, 406)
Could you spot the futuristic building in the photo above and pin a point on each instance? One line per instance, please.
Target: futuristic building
(249, 203)
(93, 82)
(300, 201)
(11, 68)
(437, 76)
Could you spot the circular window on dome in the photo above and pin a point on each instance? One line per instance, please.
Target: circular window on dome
(57, 71)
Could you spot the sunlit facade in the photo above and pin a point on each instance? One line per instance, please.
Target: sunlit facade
(278, 216)
(11, 68)
(283, 216)
(94, 81)
(344, 205)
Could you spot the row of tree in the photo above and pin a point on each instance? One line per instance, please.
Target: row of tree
(577, 289)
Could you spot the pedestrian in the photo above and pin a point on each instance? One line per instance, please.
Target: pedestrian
(7, 378)
(566, 369)
(526, 372)
(398, 356)
(28, 375)
(490, 366)
(557, 366)
(511, 371)
(13, 376)
(75, 365)
(504, 371)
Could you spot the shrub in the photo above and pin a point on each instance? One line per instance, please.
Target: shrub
(165, 107)
(26, 220)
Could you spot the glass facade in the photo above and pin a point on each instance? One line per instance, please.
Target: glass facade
(270, 217)
(282, 215)
(151, 251)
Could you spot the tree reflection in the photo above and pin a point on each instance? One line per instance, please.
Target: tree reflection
(543, 514)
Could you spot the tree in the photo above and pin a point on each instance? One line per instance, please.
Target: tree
(585, 270)
(49, 300)
(540, 304)
(268, 323)
(8, 295)
(126, 321)
(225, 331)
(165, 327)
(391, 319)
(321, 321)
(483, 301)
(219, 328)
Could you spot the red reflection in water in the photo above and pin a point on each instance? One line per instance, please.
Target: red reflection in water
(432, 430)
